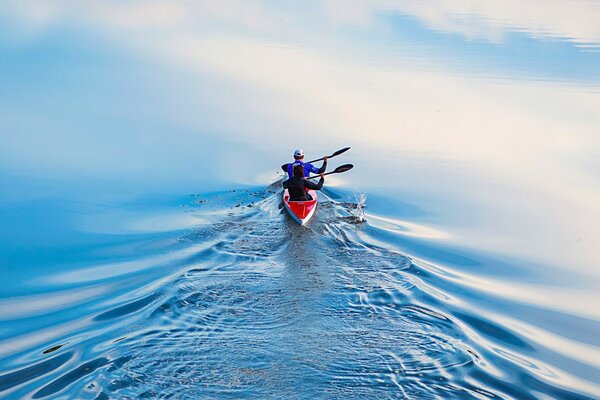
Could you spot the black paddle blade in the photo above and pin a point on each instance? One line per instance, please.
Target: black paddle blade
(343, 168)
(337, 153)
(284, 167)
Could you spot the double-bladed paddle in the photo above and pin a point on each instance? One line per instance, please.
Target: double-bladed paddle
(337, 153)
(338, 170)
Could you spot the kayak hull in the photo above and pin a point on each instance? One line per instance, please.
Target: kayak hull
(301, 211)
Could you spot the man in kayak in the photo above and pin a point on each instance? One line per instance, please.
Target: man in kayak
(308, 167)
(298, 185)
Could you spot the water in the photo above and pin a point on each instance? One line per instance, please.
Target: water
(145, 253)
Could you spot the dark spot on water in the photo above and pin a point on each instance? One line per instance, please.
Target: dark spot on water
(197, 270)
(53, 348)
(119, 339)
(471, 352)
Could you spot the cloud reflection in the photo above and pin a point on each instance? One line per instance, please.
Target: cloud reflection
(575, 20)
(315, 71)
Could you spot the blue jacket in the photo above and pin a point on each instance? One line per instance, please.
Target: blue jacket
(308, 168)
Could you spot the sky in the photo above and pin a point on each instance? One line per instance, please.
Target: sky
(490, 107)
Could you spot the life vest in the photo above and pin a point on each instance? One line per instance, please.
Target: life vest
(290, 168)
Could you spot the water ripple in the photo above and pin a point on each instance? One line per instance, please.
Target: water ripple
(340, 311)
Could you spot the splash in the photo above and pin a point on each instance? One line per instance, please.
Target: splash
(361, 202)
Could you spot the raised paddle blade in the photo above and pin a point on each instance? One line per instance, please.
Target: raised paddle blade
(342, 168)
(284, 167)
(337, 153)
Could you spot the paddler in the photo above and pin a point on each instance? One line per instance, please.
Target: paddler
(308, 167)
(298, 184)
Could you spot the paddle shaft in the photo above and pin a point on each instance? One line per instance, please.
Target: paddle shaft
(338, 170)
(337, 153)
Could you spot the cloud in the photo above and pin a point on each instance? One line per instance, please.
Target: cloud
(575, 20)
(387, 100)
(418, 111)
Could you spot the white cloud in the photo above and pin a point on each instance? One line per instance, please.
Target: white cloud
(575, 20)
(424, 112)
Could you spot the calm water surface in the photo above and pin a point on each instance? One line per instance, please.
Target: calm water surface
(144, 251)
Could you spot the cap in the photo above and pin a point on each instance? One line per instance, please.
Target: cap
(298, 153)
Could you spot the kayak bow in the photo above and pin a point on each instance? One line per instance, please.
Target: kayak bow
(301, 211)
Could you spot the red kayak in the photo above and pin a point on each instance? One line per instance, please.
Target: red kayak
(301, 211)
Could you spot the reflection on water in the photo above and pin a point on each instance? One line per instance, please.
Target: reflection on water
(470, 272)
(248, 306)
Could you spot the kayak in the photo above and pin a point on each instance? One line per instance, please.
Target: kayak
(301, 211)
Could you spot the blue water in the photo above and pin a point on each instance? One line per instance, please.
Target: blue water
(222, 295)
(145, 252)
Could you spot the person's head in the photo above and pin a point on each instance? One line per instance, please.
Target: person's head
(298, 170)
(298, 154)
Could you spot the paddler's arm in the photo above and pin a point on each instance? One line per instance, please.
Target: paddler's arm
(315, 186)
(324, 166)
